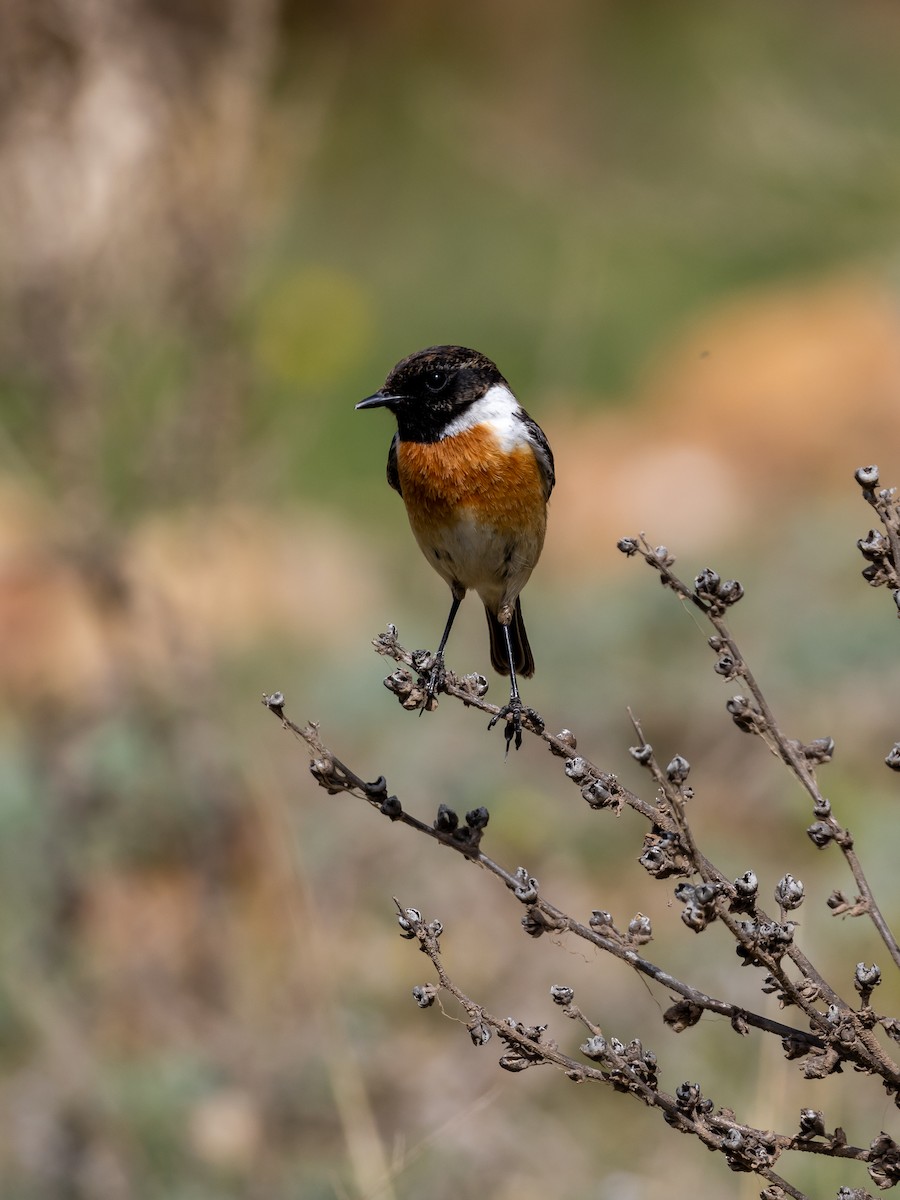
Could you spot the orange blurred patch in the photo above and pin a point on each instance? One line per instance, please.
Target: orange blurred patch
(76, 619)
(777, 396)
(795, 387)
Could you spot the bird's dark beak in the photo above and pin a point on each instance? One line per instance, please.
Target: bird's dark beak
(380, 399)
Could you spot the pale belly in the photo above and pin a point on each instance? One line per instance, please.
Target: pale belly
(472, 555)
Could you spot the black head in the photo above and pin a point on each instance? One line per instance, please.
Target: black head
(429, 388)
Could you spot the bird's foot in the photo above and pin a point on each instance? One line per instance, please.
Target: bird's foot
(512, 714)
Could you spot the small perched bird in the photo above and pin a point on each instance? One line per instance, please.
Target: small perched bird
(475, 472)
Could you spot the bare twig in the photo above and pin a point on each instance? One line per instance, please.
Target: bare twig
(762, 940)
(745, 1148)
(628, 1069)
(839, 1032)
(713, 596)
(541, 915)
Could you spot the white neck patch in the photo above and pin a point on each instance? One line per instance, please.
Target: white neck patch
(497, 409)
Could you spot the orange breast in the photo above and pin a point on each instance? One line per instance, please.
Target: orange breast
(500, 488)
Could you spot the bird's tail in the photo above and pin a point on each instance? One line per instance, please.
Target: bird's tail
(523, 660)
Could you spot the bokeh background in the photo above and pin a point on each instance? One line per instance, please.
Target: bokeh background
(677, 230)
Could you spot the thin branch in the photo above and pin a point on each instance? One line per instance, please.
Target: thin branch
(335, 777)
(840, 1023)
(712, 597)
(628, 1069)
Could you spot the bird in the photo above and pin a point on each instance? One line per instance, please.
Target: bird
(475, 472)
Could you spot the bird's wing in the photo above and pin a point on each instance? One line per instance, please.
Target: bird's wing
(542, 451)
(393, 475)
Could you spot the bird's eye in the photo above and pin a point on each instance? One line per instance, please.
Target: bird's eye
(435, 381)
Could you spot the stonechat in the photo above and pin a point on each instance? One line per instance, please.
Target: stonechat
(475, 473)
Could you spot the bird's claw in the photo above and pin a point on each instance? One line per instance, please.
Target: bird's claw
(512, 714)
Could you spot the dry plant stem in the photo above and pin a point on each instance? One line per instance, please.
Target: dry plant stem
(335, 777)
(874, 1056)
(709, 1127)
(718, 1130)
(789, 753)
(884, 502)
(841, 1034)
(866, 1053)
(785, 747)
(388, 646)
(710, 874)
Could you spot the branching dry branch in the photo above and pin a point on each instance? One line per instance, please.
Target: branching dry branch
(838, 1033)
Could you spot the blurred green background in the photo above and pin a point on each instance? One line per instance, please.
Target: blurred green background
(677, 230)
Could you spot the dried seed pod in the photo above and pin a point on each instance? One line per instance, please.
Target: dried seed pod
(475, 684)
(532, 923)
(602, 922)
(705, 893)
(594, 1047)
(678, 770)
(820, 834)
(746, 889)
(874, 546)
(641, 754)
(731, 591)
(640, 931)
(424, 994)
(391, 807)
(688, 1096)
(682, 1015)
(812, 1123)
(884, 1161)
(446, 820)
(819, 750)
(596, 793)
(514, 1062)
(747, 717)
(875, 574)
(662, 854)
(567, 737)
(526, 888)
(408, 921)
(727, 666)
(707, 583)
(789, 893)
(866, 477)
(866, 979)
(576, 769)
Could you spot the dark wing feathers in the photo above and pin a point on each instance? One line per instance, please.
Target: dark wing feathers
(542, 451)
(393, 475)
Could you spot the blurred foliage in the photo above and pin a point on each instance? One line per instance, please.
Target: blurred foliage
(222, 223)
(565, 192)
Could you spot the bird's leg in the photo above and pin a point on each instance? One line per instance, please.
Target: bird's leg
(435, 675)
(512, 712)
